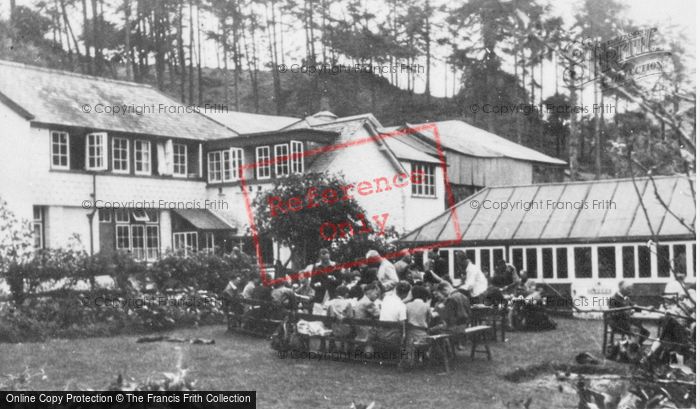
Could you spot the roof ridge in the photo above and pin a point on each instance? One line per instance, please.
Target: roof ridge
(580, 182)
(72, 74)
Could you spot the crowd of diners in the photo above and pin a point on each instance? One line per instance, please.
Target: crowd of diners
(401, 291)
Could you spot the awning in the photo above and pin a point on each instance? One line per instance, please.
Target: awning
(204, 219)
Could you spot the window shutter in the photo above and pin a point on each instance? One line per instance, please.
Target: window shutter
(169, 160)
(160, 151)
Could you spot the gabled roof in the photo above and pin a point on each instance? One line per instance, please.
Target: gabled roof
(565, 212)
(461, 137)
(52, 97)
(244, 122)
(402, 148)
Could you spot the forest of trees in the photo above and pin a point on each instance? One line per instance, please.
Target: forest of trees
(492, 52)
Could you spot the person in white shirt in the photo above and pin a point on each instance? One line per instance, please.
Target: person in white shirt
(393, 309)
(475, 282)
(386, 274)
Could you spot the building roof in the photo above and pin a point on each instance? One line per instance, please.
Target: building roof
(245, 123)
(402, 147)
(53, 97)
(204, 219)
(469, 140)
(591, 211)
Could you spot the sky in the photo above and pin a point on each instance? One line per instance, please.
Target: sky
(651, 13)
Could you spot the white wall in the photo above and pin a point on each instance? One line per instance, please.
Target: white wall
(15, 160)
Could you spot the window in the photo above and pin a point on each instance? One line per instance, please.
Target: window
(179, 160)
(120, 155)
(214, 160)
(582, 262)
(186, 241)
(679, 259)
(606, 262)
(562, 262)
(123, 235)
(262, 162)
(142, 157)
(282, 160)
(471, 255)
(121, 216)
(139, 215)
(531, 262)
(38, 227)
(423, 180)
(104, 215)
(547, 263)
(297, 159)
(663, 261)
(485, 260)
(209, 242)
(138, 247)
(497, 255)
(59, 150)
(628, 270)
(152, 242)
(236, 163)
(95, 151)
(644, 261)
(517, 258)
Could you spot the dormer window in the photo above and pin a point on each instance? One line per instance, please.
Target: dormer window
(179, 160)
(282, 160)
(263, 168)
(59, 150)
(225, 166)
(142, 157)
(297, 158)
(120, 155)
(96, 151)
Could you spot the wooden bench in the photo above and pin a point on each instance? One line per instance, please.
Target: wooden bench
(254, 317)
(495, 317)
(352, 348)
(478, 336)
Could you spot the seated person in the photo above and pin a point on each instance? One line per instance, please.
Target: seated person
(622, 321)
(340, 308)
(367, 308)
(248, 289)
(393, 310)
(475, 283)
(453, 307)
(534, 315)
(283, 294)
(418, 316)
(677, 332)
(305, 291)
(231, 296)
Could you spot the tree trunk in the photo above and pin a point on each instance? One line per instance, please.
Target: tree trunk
(573, 130)
(199, 58)
(96, 39)
(85, 37)
(191, 49)
(181, 52)
(127, 40)
(427, 50)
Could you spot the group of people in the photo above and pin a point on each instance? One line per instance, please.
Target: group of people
(424, 297)
(676, 329)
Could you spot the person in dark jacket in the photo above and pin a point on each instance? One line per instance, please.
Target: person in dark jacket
(622, 321)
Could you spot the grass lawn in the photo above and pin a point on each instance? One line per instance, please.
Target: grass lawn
(239, 362)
